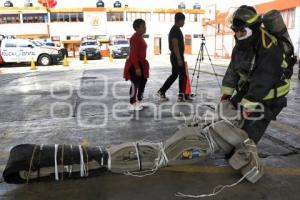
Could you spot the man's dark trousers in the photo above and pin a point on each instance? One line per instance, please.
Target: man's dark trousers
(176, 71)
(257, 128)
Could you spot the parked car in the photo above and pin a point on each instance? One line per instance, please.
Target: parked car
(42, 44)
(62, 49)
(119, 48)
(24, 50)
(90, 48)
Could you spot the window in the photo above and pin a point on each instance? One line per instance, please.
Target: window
(115, 16)
(131, 16)
(73, 17)
(89, 43)
(172, 17)
(37, 43)
(53, 17)
(155, 17)
(289, 17)
(168, 17)
(50, 44)
(161, 17)
(197, 18)
(66, 17)
(24, 43)
(80, 17)
(194, 17)
(35, 18)
(118, 42)
(197, 36)
(9, 18)
(10, 44)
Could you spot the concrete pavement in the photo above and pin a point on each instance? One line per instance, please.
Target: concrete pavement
(58, 104)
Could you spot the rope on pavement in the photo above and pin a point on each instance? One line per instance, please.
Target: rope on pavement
(217, 189)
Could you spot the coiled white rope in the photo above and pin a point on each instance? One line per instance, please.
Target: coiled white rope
(135, 144)
(55, 162)
(100, 149)
(71, 167)
(220, 188)
(161, 160)
(164, 159)
(82, 164)
(209, 139)
(217, 189)
(142, 174)
(109, 161)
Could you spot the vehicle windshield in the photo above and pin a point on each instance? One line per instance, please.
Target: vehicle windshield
(49, 44)
(88, 43)
(121, 42)
(36, 43)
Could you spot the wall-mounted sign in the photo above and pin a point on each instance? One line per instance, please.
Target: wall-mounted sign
(95, 21)
(55, 38)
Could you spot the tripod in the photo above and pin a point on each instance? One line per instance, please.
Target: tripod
(200, 59)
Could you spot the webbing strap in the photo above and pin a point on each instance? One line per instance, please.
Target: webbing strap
(253, 19)
(273, 39)
(281, 91)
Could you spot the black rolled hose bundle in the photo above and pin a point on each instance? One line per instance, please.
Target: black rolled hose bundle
(31, 163)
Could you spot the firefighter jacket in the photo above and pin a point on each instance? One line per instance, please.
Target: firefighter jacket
(259, 73)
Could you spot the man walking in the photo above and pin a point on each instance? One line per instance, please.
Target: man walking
(176, 46)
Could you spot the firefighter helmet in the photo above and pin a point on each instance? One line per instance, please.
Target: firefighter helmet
(244, 16)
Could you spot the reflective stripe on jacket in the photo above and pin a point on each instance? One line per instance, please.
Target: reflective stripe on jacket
(266, 81)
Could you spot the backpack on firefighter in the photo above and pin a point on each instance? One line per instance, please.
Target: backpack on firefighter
(274, 24)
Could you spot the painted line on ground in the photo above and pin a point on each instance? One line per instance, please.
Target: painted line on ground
(279, 171)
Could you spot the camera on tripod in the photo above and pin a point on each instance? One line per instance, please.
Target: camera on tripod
(202, 37)
(199, 60)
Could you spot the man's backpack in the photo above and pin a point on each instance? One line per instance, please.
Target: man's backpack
(274, 24)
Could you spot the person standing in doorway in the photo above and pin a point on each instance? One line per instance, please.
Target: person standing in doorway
(137, 67)
(176, 46)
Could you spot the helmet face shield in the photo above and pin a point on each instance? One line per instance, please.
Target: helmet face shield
(243, 17)
(237, 25)
(243, 34)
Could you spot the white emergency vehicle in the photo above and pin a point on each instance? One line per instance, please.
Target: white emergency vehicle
(119, 48)
(24, 50)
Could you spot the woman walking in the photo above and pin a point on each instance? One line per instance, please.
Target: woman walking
(137, 67)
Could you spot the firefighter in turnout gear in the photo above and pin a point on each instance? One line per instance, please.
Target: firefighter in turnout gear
(255, 79)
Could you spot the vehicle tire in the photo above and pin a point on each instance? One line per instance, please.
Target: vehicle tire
(65, 52)
(113, 55)
(44, 60)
